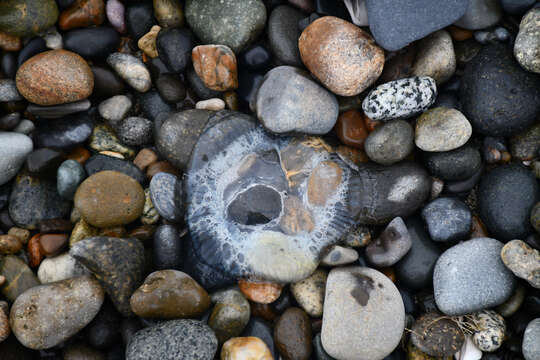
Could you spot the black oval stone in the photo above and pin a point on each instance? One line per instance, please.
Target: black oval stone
(174, 47)
(106, 82)
(35, 46)
(458, 164)
(92, 42)
(64, 133)
(139, 19)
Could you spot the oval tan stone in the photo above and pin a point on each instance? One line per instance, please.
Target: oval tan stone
(245, 348)
(55, 77)
(442, 129)
(109, 198)
(342, 56)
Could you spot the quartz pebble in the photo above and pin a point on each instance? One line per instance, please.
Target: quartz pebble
(489, 330)
(210, 104)
(60, 267)
(115, 108)
(309, 293)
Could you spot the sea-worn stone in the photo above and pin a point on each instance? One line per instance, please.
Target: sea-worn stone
(58, 111)
(47, 315)
(230, 314)
(400, 98)
(390, 142)
(115, 11)
(117, 263)
(393, 243)
(147, 43)
(292, 334)
(309, 293)
(14, 149)
(527, 45)
(102, 162)
(530, 346)
(182, 339)
(436, 335)
(135, 131)
(169, 294)
(497, 96)
(260, 292)
(526, 145)
(60, 267)
(82, 13)
(339, 255)
(166, 194)
(516, 188)
(471, 276)
(81, 231)
(103, 138)
(17, 277)
(168, 13)
(234, 23)
(523, 261)
(442, 129)
(342, 56)
(480, 14)
(489, 330)
(68, 177)
(435, 57)
(245, 348)
(55, 77)
(351, 128)
(93, 42)
(174, 48)
(132, 70)
(289, 101)
(210, 104)
(64, 133)
(458, 164)
(447, 219)
(109, 198)
(27, 17)
(283, 35)
(115, 109)
(8, 91)
(167, 247)
(139, 19)
(52, 244)
(363, 316)
(216, 66)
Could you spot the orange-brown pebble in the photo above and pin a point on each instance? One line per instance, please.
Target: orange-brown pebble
(260, 292)
(264, 311)
(231, 100)
(478, 229)
(161, 166)
(390, 273)
(342, 56)
(22, 234)
(34, 251)
(114, 231)
(245, 348)
(112, 154)
(79, 154)
(52, 244)
(351, 128)
(371, 124)
(9, 244)
(323, 182)
(357, 156)
(145, 158)
(9, 42)
(459, 34)
(216, 66)
(82, 13)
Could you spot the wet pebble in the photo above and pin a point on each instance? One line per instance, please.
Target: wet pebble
(167, 248)
(174, 48)
(245, 348)
(390, 142)
(115, 109)
(135, 131)
(82, 13)
(292, 334)
(260, 292)
(457, 164)
(93, 42)
(139, 19)
(283, 35)
(230, 314)
(216, 66)
(442, 129)
(309, 293)
(14, 149)
(131, 69)
(391, 245)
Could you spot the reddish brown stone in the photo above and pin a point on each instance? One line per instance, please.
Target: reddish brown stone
(351, 129)
(147, 43)
(263, 311)
(357, 156)
(55, 77)
(459, 34)
(55, 226)
(231, 99)
(145, 158)
(52, 244)
(34, 251)
(79, 154)
(82, 13)
(216, 66)
(260, 292)
(478, 229)
(292, 334)
(161, 166)
(296, 218)
(9, 42)
(9, 244)
(342, 56)
(371, 124)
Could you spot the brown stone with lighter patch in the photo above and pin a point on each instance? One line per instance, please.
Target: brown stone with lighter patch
(216, 66)
(437, 335)
(109, 198)
(351, 129)
(292, 334)
(82, 13)
(260, 292)
(55, 77)
(34, 251)
(323, 182)
(245, 348)
(52, 244)
(145, 158)
(342, 56)
(9, 42)
(296, 218)
(9, 244)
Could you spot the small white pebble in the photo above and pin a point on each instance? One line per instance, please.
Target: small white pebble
(211, 104)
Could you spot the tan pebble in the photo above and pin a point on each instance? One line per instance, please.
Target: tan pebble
(22, 234)
(309, 293)
(211, 104)
(81, 231)
(112, 154)
(9, 244)
(245, 348)
(145, 158)
(147, 42)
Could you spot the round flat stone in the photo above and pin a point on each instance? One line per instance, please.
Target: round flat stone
(442, 129)
(390, 142)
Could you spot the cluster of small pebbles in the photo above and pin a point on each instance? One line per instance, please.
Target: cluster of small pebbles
(269, 179)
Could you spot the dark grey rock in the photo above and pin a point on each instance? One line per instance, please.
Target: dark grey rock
(25, 127)
(92, 42)
(480, 14)
(528, 41)
(258, 327)
(283, 34)
(106, 82)
(289, 101)
(471, 276)
(174, 47)
(396, 24)
(139, 19)
(526, 145)
(68, 177)
(166, 195)
(8, 91)
(167, 248)
(390, 142)
(498, 97)
(100, 162)
(463, 186)
(9, 121)
(458, 164)
(173, 340)
(516, 7)
(531, 345)
(447, 219)
(320, 353)
(135, 131)
(171, 88)
(235, 23)
(153, 105)
(58, 111)
(198, 86)
(506, 196)
(14, 149)
(230, 314)
(393, 243)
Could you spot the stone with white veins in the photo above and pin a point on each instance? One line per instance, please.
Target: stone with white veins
(132, 70)
(14, 148)
(401, 98)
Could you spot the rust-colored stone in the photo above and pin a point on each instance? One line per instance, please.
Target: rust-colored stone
(82, 13)
(351, 129)
(216, 66)
(342, 56)
(323, 182)
(260, 292)
(9, 244)
(114, 231)
(263, 311)
(79, 154)
(478, 229)
(55, 77)
(459, 34)
(9, 42)
(357, 156)
(52, 244)
(161, 166)
(231, 100)
(145, 158)
(34, 251)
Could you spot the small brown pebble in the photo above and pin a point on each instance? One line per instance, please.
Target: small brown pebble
(82, 13)
(9, 42)
(264, 311)
(351, 129)
(231, 99)
(216, 66)
(9, 244)
(260, 292)
(114, 231)
(292, 334)
(459, 34)
(357, 156)
(22, 234)
(478, 229)
(371, 124)
(147, 42)
(143, 232)
(145, 158)
(112, 154)
(161, 166)
(34, 251)
(52, 244)
(79, 154)
(4, 321)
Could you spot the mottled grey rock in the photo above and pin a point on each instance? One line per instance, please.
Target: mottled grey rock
(435, 57)
(480, 14)
(471, 277)
(400, 98)
(230, 314)
(115, 109)
(60, 267)
(527, 45)
(442, 129)
(14, 148)
(132, 70)
(447, 219)
(523, 261)
(68, 177)
(8, 91)
(235, 23)
(339, 255)
(46, 315)
(174, 47)
(25, 127)
(364, 315)
(173, 340)
(135, 131)
(393, 243)
(526, 145)
(309, 293)
(390, 142)
(283, 34)
(289, 101)
(531, 345)
(166, 195)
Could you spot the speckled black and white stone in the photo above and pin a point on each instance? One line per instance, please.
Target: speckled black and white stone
(400, 98)
(531, 345)
(8, 91)
(135, 131)
(491, 329)
(132, 70)
(173, 340)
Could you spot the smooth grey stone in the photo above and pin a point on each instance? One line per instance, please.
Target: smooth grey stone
(173, 340)
(395, 24)
(199, 87)
(100, 162)
(132, 70)
(58, 111)
(65, 133)
(25, 127)
(8, 91)
(115, 109)
(339, 255)
(458, 164)
(516, 7)
(283, 34)
(288, 100)
(60, 267)
(174, 47)
(166, 195)
(480, 14)
(527, 45)
(167, 248)
(152, 105)
(447, 219)
(135, 131)
(531, 341)
(390, 142)
(234, 23)
(68, 177)
(463, 186)
(435, 57)
(391, 245)
(471, 276)
(171, 88)
(14, 148)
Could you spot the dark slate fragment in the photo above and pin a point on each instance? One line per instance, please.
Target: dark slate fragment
(447, 219)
